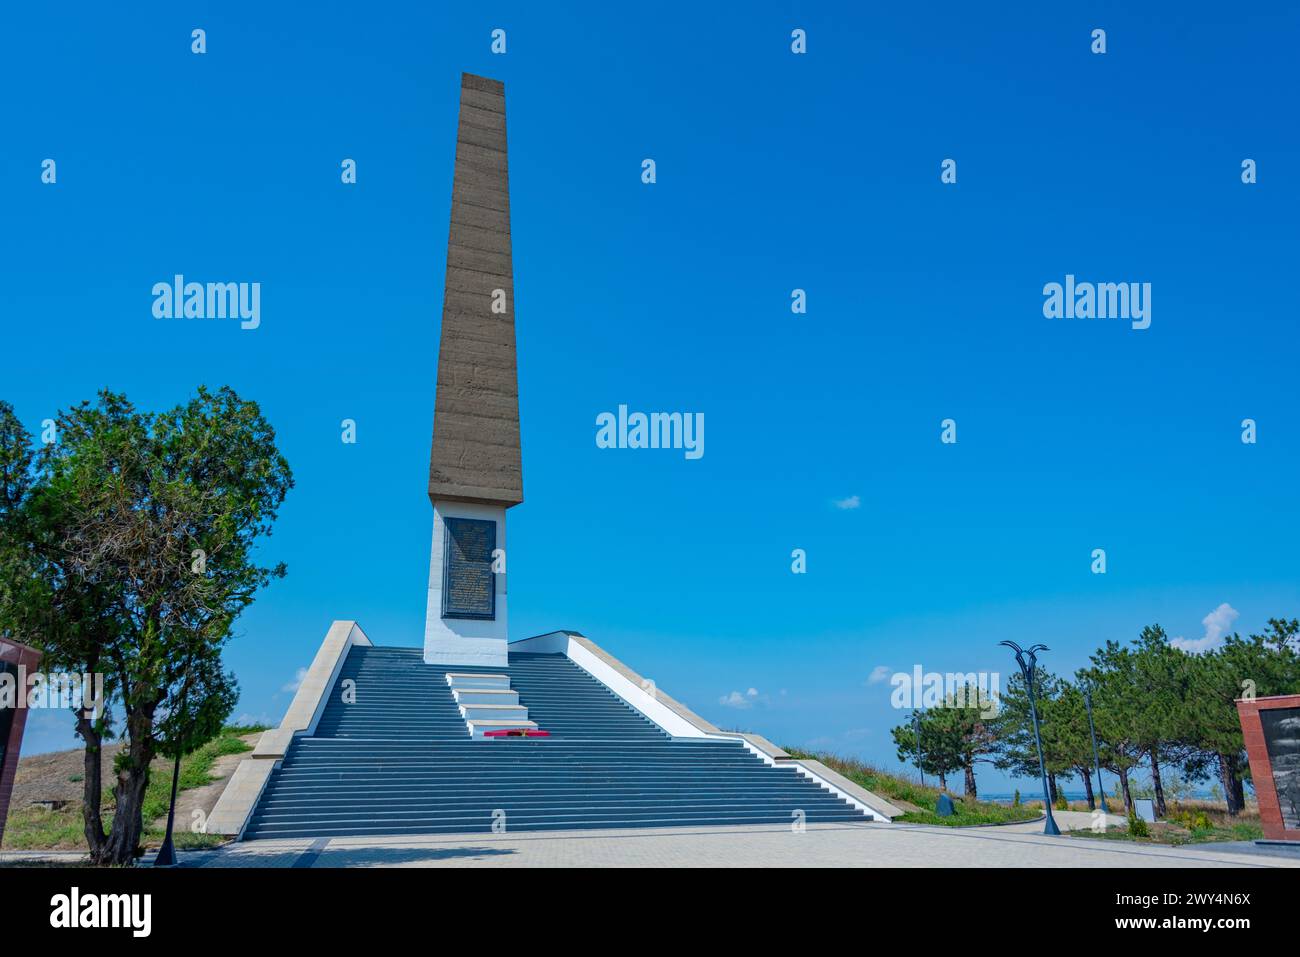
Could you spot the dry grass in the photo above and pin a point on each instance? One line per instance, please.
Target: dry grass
(1190, 822)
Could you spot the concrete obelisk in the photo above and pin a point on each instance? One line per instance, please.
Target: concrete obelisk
(475, 472)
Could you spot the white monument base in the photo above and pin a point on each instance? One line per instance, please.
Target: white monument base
(489, 652)
(465, 641)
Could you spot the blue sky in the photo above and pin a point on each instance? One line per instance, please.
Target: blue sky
(775, 172)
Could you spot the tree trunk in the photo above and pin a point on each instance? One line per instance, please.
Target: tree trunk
(1051, 787)
(970, 781)
(1227, 780)
(1161, 809)
(1086, 774)
(943, 781)
(1239, 788)
(124, 839)
(1128, 795)
(92, 787)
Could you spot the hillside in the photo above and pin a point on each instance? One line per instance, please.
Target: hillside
(57, 777)
(918, 800)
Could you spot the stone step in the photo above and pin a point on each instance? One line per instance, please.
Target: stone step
(478, 725)
(494, 712)
(496, 696)
(459, 679)
(401, 759)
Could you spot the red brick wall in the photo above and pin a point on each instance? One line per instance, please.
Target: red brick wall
(28, 658)
(1261, 769)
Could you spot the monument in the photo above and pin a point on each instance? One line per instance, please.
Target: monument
(452, 747)
(475, 472)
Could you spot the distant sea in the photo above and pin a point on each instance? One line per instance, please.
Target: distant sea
(1027, 794)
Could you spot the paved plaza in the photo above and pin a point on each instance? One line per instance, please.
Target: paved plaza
(828, 845)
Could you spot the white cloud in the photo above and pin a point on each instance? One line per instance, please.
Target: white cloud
(878, 674)
(246, 718)
(296, 683)
(738, 700)
(852, 501)
(1217, 624)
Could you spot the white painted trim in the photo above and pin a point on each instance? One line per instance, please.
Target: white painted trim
(876, 815)
(621, 680)
(313, 694)
(233, 809)
(235, 805)
(842, 787)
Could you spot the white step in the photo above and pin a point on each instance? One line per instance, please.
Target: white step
(478, 725)
(460, 680)
(485, 696)
(494, 712)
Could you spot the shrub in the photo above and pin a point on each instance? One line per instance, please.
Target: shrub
(1136, 826)
(1193, 820)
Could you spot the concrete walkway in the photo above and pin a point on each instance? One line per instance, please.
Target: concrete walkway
(824, 845)
(1066, 821)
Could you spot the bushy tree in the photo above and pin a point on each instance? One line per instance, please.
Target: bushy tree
(132, 555)
(954, 737)
(1067, 738)
(940, 749)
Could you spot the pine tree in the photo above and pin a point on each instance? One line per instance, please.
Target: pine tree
(1263, 664)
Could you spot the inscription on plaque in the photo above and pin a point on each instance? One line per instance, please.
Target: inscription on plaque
(468, 585)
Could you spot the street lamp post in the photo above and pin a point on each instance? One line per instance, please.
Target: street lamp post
(167, 853)
(1096, 760)
(916, 731)
(1027, 668)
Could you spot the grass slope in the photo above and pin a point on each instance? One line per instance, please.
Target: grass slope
(916, 800)
(33, 828)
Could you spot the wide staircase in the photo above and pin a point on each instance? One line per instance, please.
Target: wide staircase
(398, 759)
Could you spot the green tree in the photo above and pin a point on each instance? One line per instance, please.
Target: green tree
(1117, 712)
(1162, 676)
(1263, 664)
(15, 481)
(955, 737)
(1067, 740)
(968, 716)
(137, 534)
(940, 747)
(43, 600)
(1016, 749)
